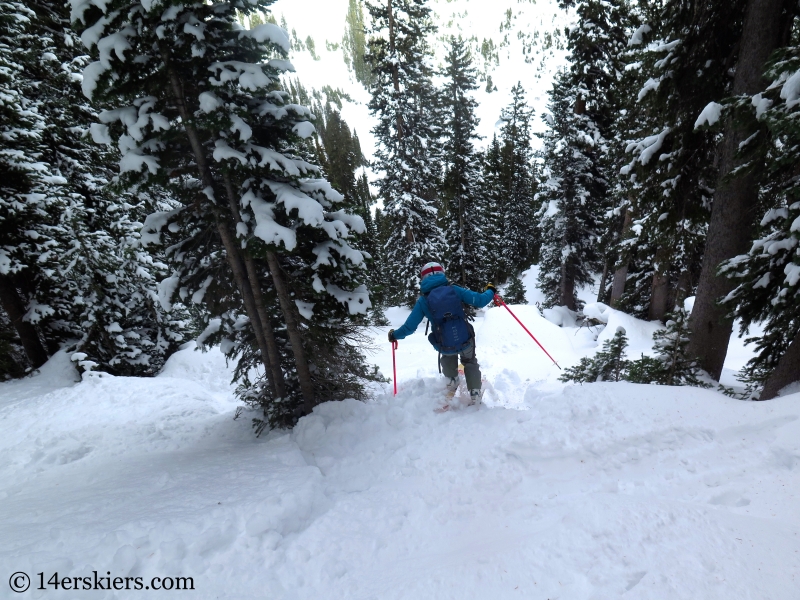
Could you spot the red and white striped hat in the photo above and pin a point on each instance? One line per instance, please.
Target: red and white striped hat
(430, 269)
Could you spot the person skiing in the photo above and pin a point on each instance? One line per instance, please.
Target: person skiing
(452, 334)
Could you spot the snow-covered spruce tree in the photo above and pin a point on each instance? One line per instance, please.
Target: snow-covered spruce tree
(492, 202)
(195, 105)
(102, 287)
(338, 151)
(766, 27)
(409, 124)
(768, 276)
(29, 206)
(672, 364)
(683, 55)
(354, 44)
(515, 292)
(610, 364)
(464, 215)
(572, 194)
(519, 234)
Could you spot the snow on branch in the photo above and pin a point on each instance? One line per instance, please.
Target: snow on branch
(637, 37)
(267, 229)
(268, 32)
(357, 301)
(709, 116)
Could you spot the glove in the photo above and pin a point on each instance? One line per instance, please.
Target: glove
(490, 286)
(391, 336)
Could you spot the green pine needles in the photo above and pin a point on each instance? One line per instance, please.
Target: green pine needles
(671, 366)
(515, 292)
(609, 364)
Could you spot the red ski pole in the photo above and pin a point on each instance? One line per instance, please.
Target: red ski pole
(499, 302)
(394, 366)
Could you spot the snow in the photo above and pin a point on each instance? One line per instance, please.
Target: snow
(709, 116)
(99, 133)
(209, 102)
(549, 490)
(91, 74)
(791, 90)
(761, 105)
(357, 301)
(268, 32)
(306, 309)
(637, 37)
(304, 129)
(166, 289)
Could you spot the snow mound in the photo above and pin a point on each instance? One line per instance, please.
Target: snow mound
(592, 491)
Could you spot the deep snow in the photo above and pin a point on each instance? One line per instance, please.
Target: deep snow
(547, 491)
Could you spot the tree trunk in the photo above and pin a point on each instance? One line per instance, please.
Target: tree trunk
(682, 289)
(276, 379)
(228, 241)
(463, 240)
(659, 292)
(293, 330)
(15, 309)
(621, 274)
(601, 292)
(787, 371)
(732, 214)
(567, 286)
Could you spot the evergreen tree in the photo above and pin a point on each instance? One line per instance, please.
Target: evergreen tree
(27, 210)
(515, 292)
(585, 104)
(766, 27)
(354, 44)
(520, 240)
(672, 364)
(767, 278)
(610, 364)
(406, 104)
(492, 203)
(91, 286)
(258, 237)
(464, 213)
(572, 194)
(681, 55)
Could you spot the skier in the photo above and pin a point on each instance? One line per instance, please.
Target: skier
(452, 334)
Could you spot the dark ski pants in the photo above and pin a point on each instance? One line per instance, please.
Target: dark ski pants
(472, 370)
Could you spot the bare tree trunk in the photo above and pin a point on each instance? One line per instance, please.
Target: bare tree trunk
(732, 216)
(463, 239)
(15, 309)
(567, 286)
(293, 330)
(279, 386)
(787, 371)
(682, 289)
(228, 241)
(601, 292)
(659, 292)
(621, 274)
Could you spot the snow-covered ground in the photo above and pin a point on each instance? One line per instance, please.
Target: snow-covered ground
(547, 491)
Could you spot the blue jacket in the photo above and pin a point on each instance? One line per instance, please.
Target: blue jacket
(421, 308)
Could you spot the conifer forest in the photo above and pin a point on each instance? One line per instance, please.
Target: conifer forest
(167, 175)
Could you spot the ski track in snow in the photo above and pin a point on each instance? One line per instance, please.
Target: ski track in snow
(547, 491)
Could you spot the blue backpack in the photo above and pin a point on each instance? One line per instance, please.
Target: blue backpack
(451, 333)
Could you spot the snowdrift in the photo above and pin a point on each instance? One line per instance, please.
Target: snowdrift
(547, 491)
